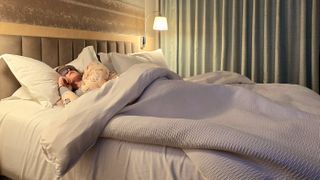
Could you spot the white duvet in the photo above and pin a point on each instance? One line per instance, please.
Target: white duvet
(227, 131)
(21, 122)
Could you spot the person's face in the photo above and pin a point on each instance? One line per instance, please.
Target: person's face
(73, 76)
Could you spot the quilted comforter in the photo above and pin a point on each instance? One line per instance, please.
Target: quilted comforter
(228, 131)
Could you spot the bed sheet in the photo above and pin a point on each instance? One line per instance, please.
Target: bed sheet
(21, 123)
(292, 95)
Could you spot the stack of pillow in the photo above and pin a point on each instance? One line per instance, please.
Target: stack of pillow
(39, 81)
(121, 62)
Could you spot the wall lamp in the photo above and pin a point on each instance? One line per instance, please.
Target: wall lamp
(160, 23)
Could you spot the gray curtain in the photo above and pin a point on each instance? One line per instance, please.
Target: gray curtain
(269, 41)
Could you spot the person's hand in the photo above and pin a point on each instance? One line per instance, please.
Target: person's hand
(63, 81)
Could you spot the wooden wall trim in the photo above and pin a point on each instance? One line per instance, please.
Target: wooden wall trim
(44, 31)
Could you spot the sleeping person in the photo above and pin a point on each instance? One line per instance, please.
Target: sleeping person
(73, 84)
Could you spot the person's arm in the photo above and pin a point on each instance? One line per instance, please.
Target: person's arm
(66, 94)
(113, 75)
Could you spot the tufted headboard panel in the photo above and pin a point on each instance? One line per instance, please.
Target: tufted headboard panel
(52, 51)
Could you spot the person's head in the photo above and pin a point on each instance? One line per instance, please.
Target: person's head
(72, 75)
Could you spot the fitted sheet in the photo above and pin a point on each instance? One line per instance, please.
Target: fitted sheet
(22, 121)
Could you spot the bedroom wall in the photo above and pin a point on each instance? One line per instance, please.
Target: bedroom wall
(112, 16)
(106, 19)
(151, 7)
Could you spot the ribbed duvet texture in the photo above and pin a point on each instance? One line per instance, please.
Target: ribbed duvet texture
(228, 131)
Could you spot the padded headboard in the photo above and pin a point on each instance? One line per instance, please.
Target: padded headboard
(52, 51)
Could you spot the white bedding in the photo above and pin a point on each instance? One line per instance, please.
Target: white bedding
(21, 122)
(227, 131)
(253, 131)
(20, 126)
(288, 94)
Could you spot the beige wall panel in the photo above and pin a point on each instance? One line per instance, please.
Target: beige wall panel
(78, 45)
(50, 51)
(112, 46)
(11, 45)
(102, 46)
(31, 47)
(113, 16)
(65, 51)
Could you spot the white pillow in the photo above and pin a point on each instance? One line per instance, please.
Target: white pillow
(21, 93)
(122, 62)
(155, 57)
(38, 78)
(106, 60)
(86, 56)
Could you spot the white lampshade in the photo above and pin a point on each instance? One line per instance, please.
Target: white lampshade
(160, 23)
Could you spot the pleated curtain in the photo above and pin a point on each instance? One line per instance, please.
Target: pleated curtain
(269, 41)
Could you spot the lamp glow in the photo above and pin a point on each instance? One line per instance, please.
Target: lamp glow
(160, 23)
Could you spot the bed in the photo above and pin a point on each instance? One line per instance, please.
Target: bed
(151, 124)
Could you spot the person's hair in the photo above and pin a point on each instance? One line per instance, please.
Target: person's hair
(63, 70)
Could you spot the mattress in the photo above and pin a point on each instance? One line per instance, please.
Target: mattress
(21, 122)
